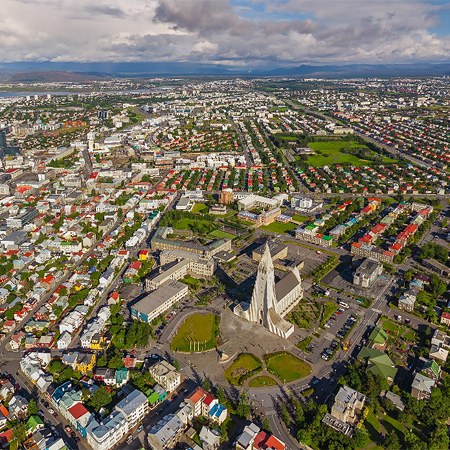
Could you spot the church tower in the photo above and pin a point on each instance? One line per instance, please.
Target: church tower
(263, 296)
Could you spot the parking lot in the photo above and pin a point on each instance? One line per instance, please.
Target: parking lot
(334, 334)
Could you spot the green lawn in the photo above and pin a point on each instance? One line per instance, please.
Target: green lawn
(222, 234)
(391, 327)
(197, 333)
(286, 366)
(242, 367)
(278, 227)
(191, 281)
(331, 152)
(204, 226)
(262, 381)
(300, 218)
(199, 207)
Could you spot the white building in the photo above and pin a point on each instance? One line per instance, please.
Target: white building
(270, 302)
(134, 407)
(166, 375)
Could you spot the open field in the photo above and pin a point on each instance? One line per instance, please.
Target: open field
(198, 332)
(331, 152)
(244, 366)
(286, 366)
(278, 227)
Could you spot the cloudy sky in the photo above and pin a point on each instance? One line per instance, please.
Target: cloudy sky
(231, 32)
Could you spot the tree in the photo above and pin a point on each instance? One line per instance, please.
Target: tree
(116, 362)
(32, 407)
(412, 442)
(102, 361)
(206, 385)
(392, 442)
(266, 425)
(100, 398)
(243, 406)
(439, 437)
(285, 414)
(20, 432)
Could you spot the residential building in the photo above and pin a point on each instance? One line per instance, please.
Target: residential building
(166, 375)
(105, 434)
(422, 386)
(165, 434)
(346, 410)
(210, 439)
(134, 407)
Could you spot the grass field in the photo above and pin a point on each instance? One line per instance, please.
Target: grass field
(205, 226)
(242, 367)
(392, 327)
(262, 381)
(198, 328)
(299, 218)
(191, 281)
(330, 152)
(221, 234)
(278, 227)
(199, 208)
(286, 366)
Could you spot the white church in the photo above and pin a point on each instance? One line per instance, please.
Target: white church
(271, 301)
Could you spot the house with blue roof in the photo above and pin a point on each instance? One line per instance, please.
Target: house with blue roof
(218, 413)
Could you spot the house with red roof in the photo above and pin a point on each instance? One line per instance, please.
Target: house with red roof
(9, 325)
(208, 403)
(445, 318)
(265, 441)
(253, 438)
(79, 416)
(6, 437)
(113, 298)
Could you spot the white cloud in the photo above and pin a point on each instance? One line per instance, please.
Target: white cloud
(213, 31)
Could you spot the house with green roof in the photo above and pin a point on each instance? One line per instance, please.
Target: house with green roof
(34, 424)
(121, 376)
(378, 363)
(153, 399)
(430, 368)
(378, 339)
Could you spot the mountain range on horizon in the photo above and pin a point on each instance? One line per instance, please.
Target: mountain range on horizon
(70, 71)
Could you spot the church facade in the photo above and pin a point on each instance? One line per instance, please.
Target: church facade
(271, 301)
